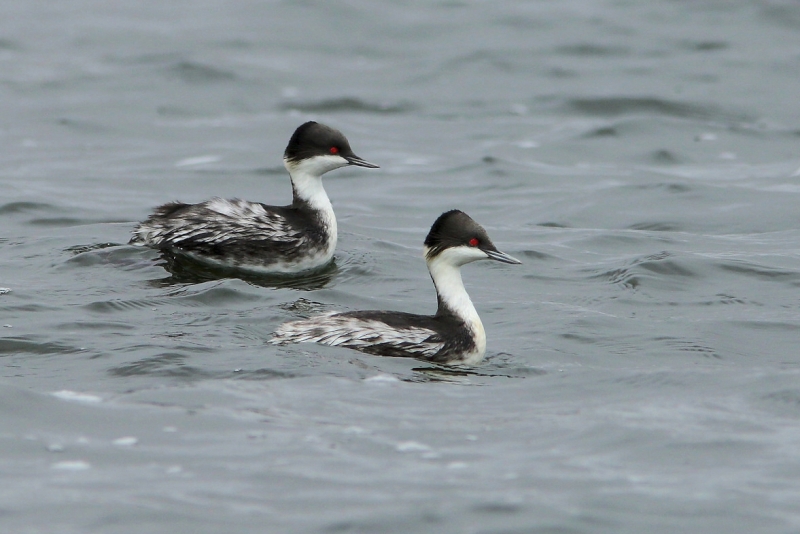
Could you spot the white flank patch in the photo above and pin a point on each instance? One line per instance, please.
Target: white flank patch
(237, 208)
(342, 331)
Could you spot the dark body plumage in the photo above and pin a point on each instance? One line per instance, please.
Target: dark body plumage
(441, 338)
(454, 335)
(254, 236)
(237, 233)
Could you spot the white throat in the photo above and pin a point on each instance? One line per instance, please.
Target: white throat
(306, 178)
(307, 186)
(445, 271)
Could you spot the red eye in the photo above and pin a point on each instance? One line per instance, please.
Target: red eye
(334, 150)
(473, 242)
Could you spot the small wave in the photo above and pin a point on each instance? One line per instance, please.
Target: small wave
(28, 308)
(347, 104)
(705, 46)
(82, 125)
(650, 379)
(592, 50)
(662, 156)
(60, 221)
(278, 170)
(16, 345)
(482, 59)
(535, 255)
(8, 44)
(114, 326)
(602, 131)
(785, 14)
(121, 305)
(656, 226)
(261, 374)
(497, 508)
(641, 269)
(24, 207)
(613, 106)
(185, 270)
(168, 364)
(658, 263)
(215, 295)
(116, 255)
(198, 73)
(787, 397)
(667, 187)
(779, 326)
(80, 249)
(71, 221)
(553, 225)
(688, 345)
(761, 272)
(192, 297)
(723, 299)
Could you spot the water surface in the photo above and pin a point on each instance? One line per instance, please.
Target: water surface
(642, 365)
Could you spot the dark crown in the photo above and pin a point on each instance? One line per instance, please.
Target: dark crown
(455, 228)
(313, 139)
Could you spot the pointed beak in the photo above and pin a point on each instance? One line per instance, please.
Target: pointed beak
(355, 160)
(501, 256)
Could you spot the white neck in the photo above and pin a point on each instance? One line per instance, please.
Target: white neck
(306, 178)
(445, 269)
(307, 187)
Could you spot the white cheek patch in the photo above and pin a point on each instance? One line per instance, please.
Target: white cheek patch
(458, 256)
(315, 166)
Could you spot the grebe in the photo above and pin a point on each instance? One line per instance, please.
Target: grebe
(455, 335)
(256, 237)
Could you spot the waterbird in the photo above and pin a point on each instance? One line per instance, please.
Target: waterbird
(455, 335)
(256, 237)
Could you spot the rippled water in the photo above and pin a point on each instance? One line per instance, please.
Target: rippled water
(642, 367)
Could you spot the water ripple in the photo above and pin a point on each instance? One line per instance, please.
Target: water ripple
(347, 104)
(761, 272)
(16, 345)
(184, 270)
(168, 364)
(613, 106)
(197, 73)
(23, 207)
(664, 264)
(592, 50)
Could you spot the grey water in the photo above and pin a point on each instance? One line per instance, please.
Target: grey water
(640, 158)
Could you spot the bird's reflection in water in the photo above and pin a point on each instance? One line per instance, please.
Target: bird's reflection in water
(185, 270)
(467, 375)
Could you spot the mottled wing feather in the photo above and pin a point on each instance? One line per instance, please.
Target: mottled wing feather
(215, 223)
(367, 335)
